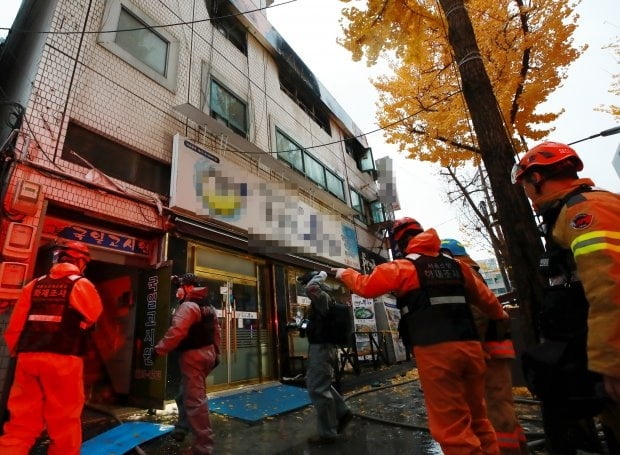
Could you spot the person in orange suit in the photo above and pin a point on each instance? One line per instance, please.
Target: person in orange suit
(500, 354)
(434, 293)
(581, 306)
(47, 332)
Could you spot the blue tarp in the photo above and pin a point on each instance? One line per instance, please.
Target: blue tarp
(123, 438)
(255, 405)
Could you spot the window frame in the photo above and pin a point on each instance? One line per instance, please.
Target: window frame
(362, 213)
(107, 39)
(305, 157)
(228, 25)
(226, 120)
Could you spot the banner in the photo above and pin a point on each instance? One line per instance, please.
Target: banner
(148, 381)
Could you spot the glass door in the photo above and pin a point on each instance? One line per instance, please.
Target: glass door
(236, 295)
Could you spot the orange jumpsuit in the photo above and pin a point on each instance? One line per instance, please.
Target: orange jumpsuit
(500, 354)
(451, 372)
(48, 388)
(589, 225)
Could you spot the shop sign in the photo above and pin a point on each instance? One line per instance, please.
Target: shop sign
(276, 220)
(369, 260)
(364, 323)
(94, 236)
(148, 381)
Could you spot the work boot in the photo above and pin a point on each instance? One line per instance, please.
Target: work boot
(344, 421)
(178, 434)
(322, 440)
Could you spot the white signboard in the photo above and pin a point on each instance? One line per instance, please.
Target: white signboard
(276, 220)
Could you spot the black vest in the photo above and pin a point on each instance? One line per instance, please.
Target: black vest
(564, 310)
(201, 333)
(52, 324)
(437, 311)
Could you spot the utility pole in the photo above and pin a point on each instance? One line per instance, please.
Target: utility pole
(513, 210)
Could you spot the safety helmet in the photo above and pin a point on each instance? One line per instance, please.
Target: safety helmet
(403, 226)
(189, 279)
(455, 247)
(76, 250)
(545, 154)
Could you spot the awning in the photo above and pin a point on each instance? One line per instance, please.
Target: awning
(221, 236)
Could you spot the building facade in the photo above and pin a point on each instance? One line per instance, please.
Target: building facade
(174, 139)
(489, 269)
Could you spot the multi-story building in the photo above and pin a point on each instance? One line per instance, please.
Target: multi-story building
(492, 275)
(171, 138)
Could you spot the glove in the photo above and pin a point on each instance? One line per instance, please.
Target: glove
(338, 272)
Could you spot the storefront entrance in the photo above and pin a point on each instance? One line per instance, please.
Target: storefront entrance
(241, 299)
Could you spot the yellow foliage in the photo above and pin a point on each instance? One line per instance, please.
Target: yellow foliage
(614, 109)
(526, 46)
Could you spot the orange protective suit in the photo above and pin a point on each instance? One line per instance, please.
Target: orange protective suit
(500, 354)
(589, 225)
(451, 372)
(48, 388)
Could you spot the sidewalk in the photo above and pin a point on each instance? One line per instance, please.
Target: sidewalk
(390, 396)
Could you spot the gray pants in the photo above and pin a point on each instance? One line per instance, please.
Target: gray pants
(329, 405)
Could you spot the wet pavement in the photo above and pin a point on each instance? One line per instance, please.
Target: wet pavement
(390, 419)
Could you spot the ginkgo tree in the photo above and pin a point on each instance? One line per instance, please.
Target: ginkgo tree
(614, 109)
(467, 78)
(526, 47)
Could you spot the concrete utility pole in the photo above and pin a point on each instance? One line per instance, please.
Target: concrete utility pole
(513, 210)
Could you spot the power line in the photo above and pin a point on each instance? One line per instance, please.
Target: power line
(147, 27)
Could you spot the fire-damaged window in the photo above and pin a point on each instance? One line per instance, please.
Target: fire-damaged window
(299, 83)
(224, 19)
(362, 155)
(305, 99)
(115, 160)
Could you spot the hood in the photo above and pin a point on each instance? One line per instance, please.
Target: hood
(63, 269)
(427, 243)
(544, 202)
(198, 295)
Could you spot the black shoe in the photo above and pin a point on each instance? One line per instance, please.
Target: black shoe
(178, 434)
(344, 421)
(321, 440)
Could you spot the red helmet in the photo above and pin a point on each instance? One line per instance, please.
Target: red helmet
(76, 250)
(405, 225)
(545, 154)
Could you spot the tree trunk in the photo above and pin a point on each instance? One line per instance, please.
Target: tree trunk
(514, 212)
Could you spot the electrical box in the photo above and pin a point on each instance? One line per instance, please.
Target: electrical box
(12, 276)
(26, 197)
(19, 242)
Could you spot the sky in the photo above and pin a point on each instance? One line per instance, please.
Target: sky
(311, 27)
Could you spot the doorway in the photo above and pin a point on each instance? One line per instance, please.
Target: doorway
(241, 300)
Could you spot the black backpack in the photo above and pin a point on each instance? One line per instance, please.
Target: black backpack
(339, 323)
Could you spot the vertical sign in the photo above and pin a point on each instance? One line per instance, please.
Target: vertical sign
(364, 323)
(148, 380)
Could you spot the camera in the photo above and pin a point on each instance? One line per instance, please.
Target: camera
(175, 280)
